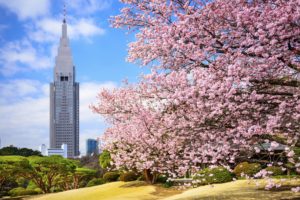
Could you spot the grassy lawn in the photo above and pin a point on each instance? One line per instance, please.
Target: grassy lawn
(112, 191)
(236, 190)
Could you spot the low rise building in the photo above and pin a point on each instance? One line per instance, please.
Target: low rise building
(63, 151)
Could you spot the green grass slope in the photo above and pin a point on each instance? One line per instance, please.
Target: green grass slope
(111, 191)
(237, 190)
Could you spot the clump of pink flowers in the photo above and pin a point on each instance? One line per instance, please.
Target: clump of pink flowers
(296, 189)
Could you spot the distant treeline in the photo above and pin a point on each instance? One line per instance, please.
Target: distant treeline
(11, 150)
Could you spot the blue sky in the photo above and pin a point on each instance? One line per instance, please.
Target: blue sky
(29, 35)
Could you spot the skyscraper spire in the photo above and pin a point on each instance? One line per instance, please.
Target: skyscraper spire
(64, 13)
(63, 61)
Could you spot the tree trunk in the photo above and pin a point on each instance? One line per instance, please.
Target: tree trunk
(76, 182)
(150, 177)
(2, 180)
(40, 184)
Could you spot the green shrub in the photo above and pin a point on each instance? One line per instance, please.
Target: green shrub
(95, 181)
(128, 176)
(276, 171)
(105, 159)
(56, 189)
(83, 183)
(38, 190)
(141, 178)
(31, 185)
(167, 184)
(246, 168)
(162, 179)
(6, 186)
(22, 182)
(111, 176)
(213, 175)
(296, 151)
(19, 191)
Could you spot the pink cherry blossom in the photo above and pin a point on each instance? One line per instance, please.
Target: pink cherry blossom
(296, 189)
(225, 73)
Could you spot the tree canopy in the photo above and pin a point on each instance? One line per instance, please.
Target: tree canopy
(225, 74)
(10, 166)
(105, 159)
(11, 150)
(45, 172)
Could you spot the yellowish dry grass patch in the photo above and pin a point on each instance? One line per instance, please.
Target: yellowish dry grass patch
(112, 191)
(237, 190)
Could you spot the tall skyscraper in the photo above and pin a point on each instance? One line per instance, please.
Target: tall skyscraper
(64, 100)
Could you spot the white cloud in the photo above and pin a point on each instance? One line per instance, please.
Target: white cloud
(20, 56)
(24, 111)
(85, 7)
(24, 118)
(15, 90)
(85, 28)
(88, 119)
(25, 9)
(49, 29)
(88, 94)
(39, 47)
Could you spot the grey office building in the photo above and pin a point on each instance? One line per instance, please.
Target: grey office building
(64, 100)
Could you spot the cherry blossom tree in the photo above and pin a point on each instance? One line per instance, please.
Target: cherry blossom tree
(225, 76)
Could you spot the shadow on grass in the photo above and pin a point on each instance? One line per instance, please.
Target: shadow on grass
(134, 184)
(246, 194)
(12, 198)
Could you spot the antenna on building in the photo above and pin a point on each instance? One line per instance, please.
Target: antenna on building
(64, 13)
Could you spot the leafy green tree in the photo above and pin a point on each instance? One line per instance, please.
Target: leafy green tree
(95, 181)
(9, 166)
(46, 172)
(11, 150)
(28, 152)
(77, 178)
(91, 162)
(82, 174)
(105, 159)
(53, 173)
